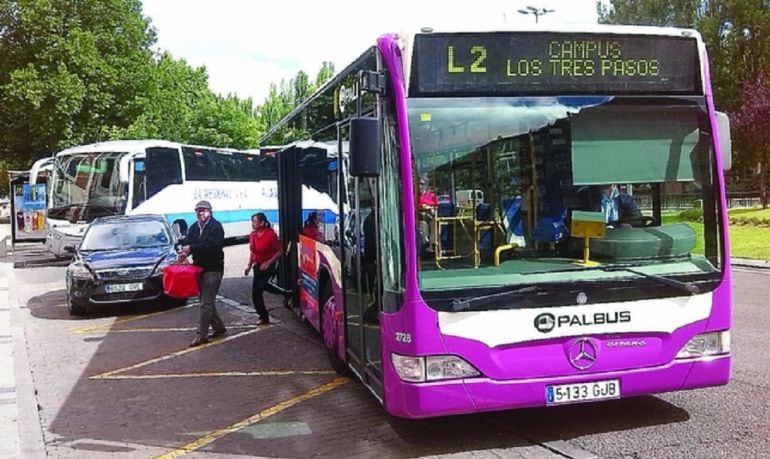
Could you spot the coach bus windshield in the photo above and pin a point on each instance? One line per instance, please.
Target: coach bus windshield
(541, 191)
(86, 186)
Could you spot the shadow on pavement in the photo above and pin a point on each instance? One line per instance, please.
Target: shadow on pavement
(53, 306)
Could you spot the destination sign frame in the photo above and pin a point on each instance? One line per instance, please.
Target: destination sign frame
(555, 63)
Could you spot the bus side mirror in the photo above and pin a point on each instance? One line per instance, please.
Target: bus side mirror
(365, 147)
(725, 141)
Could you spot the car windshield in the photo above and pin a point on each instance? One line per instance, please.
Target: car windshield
(122, 235)
(523, 191)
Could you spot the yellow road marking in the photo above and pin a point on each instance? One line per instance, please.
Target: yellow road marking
(216, 435)
(99, 327)
(161, 329)
(173, 354)
(216, 374)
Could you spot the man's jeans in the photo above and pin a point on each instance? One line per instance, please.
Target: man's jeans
(209, 286)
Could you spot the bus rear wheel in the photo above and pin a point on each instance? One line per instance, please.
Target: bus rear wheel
(330, 325)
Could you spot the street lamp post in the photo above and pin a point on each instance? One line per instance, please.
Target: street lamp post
(536, 11)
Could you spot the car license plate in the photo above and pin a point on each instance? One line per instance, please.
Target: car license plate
(119, 288)
(582, 392)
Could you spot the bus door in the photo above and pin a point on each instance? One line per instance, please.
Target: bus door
(289, 217)
(360, 242)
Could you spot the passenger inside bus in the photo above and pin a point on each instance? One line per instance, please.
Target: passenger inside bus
(428, 203)
(311, 227)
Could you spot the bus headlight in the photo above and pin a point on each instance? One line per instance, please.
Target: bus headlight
(432, 367)
(713, 343)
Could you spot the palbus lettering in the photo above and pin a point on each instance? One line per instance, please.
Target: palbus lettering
(599, 318)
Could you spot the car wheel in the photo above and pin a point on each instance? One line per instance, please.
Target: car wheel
(75, 309)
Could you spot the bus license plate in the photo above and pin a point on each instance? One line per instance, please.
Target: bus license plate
(582, 392)
(119, 288)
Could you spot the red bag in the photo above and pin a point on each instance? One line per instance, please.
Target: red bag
(181, 280)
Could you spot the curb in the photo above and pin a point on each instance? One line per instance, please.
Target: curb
(750, 263)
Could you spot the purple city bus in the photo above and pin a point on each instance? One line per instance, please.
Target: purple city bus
(523, 218)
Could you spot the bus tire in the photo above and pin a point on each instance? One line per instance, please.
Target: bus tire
(330, 322)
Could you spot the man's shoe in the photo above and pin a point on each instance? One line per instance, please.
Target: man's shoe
(263, 322)
(217, 333)
(198, 342)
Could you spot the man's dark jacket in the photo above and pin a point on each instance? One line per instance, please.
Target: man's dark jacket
(206, 248)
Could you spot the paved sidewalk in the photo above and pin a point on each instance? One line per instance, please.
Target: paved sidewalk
(20, 431)
(9, 412)
(749, 263)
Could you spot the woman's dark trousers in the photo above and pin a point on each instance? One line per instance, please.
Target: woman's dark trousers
(261, 284)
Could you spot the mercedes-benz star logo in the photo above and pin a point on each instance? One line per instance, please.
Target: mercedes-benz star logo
(582, 353)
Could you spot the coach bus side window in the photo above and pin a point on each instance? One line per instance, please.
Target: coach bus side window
(162, 168)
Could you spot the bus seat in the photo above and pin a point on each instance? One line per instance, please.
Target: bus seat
(484, 227)
(513, 221)
(447, 235)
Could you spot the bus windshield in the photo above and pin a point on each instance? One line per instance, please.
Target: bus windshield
(535, 190)
(86, 185)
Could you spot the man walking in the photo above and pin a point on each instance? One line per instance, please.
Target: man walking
(205, 241)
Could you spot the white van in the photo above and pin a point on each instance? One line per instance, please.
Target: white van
(469, 198)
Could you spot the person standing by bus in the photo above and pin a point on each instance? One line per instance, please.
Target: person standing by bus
(205, 242)
(265, 249)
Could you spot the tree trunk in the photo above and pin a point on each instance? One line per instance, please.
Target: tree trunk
(762, 186)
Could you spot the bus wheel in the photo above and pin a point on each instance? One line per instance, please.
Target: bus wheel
(330, 322)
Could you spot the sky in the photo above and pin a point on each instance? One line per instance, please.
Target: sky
(248, 44)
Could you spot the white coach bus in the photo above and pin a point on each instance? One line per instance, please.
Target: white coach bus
(155, 177)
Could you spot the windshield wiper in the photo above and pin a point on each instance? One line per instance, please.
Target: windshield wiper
(470, 303)
(688, 287)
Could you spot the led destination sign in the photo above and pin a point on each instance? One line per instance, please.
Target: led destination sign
(553, 63)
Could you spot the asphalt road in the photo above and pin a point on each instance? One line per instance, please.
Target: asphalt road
(123, 383)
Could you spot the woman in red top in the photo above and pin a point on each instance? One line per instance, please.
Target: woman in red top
(265, 249)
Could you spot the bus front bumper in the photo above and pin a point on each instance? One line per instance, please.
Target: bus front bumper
(411, 400)
(57, 243)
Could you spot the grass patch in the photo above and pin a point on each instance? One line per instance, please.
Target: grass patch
(749, 231)
(749, 216)
(750, 242)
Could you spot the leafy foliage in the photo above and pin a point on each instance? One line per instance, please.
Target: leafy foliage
(751, 123)
(80, 71)
(737, 37)
(284, 98)
(69, 69)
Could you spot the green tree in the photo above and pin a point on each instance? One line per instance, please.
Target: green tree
(752, 122)
(225, 122)
(737, 37)
(287, 95)
(679, 13)
(70, 71)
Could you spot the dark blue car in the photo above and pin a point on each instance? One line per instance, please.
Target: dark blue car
(120, 259)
